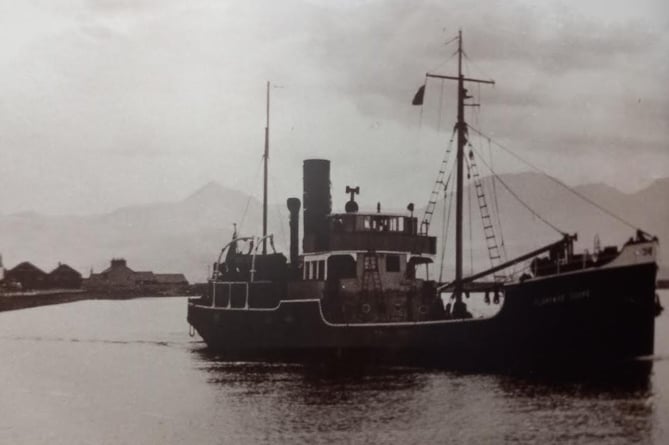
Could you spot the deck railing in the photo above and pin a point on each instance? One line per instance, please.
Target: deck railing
(230, 294)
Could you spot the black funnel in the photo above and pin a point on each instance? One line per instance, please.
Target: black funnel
(317, 204)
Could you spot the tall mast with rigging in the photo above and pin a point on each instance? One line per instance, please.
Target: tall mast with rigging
(461, 127)
(264, 194)
(462, 140)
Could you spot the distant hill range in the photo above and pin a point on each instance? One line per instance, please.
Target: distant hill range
(185, 236)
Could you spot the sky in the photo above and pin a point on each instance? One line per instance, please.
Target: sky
(107, 103)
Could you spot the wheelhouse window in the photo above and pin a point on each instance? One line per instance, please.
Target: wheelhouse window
(367, 223)
(380, 223)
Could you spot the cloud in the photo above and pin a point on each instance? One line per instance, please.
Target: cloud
(152, 98)
(581, 82)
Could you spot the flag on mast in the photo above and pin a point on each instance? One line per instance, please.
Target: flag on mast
(418, 98)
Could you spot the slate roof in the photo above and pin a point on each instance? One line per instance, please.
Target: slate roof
(26, 266)
(170, 278)
(144, 276)
(63, 268)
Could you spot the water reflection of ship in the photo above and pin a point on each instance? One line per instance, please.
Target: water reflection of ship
(355, 291)
(351, 400)
(345, 397)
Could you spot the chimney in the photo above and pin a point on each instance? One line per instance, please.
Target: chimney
(317, 204)
(293, 205)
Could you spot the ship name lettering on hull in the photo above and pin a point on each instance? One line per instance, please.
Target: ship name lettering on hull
(561, 298)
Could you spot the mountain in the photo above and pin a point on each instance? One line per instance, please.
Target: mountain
(185, 235)
(179, 236)
(523, 230)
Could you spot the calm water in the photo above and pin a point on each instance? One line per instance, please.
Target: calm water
(117, 372)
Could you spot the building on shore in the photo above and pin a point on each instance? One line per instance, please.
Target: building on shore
(118, 276)
(27, 276)
(64, 277)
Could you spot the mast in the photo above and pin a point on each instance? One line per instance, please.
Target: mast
(459, 184)
(264, 194)
(461, 127)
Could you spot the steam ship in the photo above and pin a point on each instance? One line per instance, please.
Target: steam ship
(358, 288)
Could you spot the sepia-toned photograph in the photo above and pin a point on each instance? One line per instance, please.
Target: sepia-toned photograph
(324, 222)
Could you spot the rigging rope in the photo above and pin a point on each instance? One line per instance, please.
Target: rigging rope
(530, 209)
(557, 181)
(444, 232)
(469, 210)
(438, 67)
(281, 218)
(494, 194)
(429, 210)
(474, 65)
(447, 223)
(441, 100)
(248, 200)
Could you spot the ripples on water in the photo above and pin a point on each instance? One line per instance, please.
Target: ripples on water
(127, 372)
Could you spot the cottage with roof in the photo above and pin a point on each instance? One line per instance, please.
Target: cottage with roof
(64, 277)
(119, 276)
(27, 276)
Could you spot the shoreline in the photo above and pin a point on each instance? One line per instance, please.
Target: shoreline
(16, 301)
(12, 302)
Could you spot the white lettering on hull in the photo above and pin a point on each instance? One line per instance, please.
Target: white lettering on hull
(578, 295)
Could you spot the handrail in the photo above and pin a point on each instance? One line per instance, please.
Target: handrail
(255, 244)
(229, 285)
(220, 255)
(255, 251)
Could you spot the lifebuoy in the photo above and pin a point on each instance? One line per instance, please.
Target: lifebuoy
(365, 308)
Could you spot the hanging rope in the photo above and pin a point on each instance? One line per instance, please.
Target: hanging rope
(469, 211)
(446, 223)
(441, 102)
(444, 233)
(472, 64)
(558, 182)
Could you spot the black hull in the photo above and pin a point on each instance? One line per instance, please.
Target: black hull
(593, 317)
